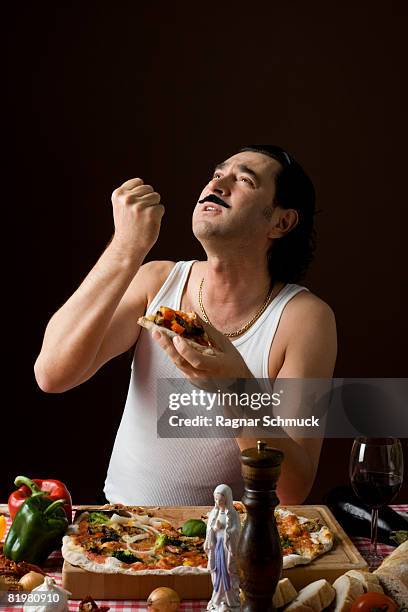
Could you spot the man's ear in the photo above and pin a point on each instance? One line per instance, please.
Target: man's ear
(284, 222)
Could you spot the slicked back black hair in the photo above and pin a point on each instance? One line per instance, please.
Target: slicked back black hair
(290, 256)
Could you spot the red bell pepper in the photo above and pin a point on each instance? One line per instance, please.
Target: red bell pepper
(167, 313)
(27, 487)
(179, 329)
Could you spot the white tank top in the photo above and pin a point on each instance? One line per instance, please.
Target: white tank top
(147, 470)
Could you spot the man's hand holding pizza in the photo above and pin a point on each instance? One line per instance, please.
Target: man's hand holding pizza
(201, 369)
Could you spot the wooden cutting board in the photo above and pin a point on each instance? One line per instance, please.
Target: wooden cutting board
(342, 557)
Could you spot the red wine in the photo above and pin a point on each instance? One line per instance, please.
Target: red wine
(376, 488)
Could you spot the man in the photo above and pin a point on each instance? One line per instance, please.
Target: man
(255, 221)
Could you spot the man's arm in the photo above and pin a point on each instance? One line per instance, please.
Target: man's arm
(308, 331)
(99, 320)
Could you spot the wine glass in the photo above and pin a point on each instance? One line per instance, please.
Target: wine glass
(376, 472)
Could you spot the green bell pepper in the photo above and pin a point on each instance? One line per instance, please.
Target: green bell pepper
(37, 530)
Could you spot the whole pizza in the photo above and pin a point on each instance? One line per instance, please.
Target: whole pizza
(136, 541)
(131, 541)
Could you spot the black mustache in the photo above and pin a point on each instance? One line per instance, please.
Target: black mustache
(215, 199)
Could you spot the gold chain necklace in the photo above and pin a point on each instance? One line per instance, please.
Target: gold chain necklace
(245, 327)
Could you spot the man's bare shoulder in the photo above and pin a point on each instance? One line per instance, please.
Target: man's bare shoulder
(157, 268)
(307, 308)
(306, 340)
(305, 316)
(151, 277)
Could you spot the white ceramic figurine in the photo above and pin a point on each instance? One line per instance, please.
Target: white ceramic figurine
(221, 546)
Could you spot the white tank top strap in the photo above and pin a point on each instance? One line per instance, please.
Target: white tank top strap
(255, 344)
(284, 296)
(171, 291)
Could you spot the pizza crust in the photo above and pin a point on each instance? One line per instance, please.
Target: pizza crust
(206, 350)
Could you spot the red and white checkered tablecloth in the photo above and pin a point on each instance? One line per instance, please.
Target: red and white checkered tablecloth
(53, 568)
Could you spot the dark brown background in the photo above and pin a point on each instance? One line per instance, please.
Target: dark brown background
(100, 92)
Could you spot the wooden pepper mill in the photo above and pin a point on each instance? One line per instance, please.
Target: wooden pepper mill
(259, 549)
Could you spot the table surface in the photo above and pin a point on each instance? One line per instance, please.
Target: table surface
(53, 568)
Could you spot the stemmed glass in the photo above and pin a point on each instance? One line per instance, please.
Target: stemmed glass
(376, 472)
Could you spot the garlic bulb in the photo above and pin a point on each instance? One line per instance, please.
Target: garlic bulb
(48, 597)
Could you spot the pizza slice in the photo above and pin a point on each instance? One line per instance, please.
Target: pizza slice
(179, 323)
(302, 539)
